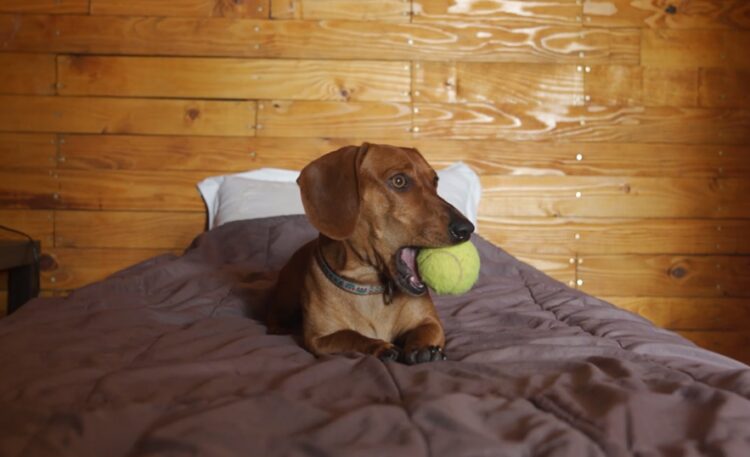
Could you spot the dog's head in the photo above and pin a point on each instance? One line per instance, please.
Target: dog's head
(383, 200)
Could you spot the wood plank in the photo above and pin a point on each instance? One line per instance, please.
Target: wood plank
(133, 152)
(112, 115)
(695, 14)
(665, 275)
(217, 154)
(615, 85)
(505, 11)
(632, 85)
(506, 196)
(130, 190)
(30, 74)
(635, 124)
(22, 150)
(171, 8)
(686, 87)
(234, 78)
(38, 224)
(724, 87)
(70, 268)
(731, 344)
(692, 313)
(334, 39)
(670, 87)
(358, 10)
(45, 6)
(28, 189)
(307, 119)
(127, 230)
(556, 266)
(479, 42)
(452, 82)
(695, 48)
(592, 236)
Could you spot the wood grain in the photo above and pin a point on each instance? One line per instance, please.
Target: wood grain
(555, 266)
(452, 82)
(39, 224)
(234, 78)
(21, 150)
(695, 14)
(127, 229)
(176, 8)
(27, 74)
(665, 275)
(505, 11)
(134, 152)
(615, 85)
(634, 85)
(358, 10)
(695, 48)
(28, 189)
(216, 154)
(724, 87)
(603, 197)
(635, 124)
(714, 87)
(679, 313)
(307, 119)
(111, 115)
(130, 190)
(45, 6)
(732, 344)
(334, 39)
(592, 236)
(670, 87)
(73, 268)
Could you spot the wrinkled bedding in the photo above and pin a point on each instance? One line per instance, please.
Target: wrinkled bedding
(168, 358)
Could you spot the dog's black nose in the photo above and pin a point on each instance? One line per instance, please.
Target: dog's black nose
(460, 229)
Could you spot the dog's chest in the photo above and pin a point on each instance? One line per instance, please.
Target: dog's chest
(375, 318)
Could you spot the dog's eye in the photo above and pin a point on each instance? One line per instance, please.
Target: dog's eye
(399, 181)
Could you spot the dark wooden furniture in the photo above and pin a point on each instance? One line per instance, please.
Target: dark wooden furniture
(20, 258)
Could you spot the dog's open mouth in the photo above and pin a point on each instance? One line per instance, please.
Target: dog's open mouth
(407, 275)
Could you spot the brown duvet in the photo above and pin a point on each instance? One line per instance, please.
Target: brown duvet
(165, 358)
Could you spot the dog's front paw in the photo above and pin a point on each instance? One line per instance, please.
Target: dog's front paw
(425, 354)
(387, 352)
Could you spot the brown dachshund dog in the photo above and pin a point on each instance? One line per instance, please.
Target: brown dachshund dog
(356, 287)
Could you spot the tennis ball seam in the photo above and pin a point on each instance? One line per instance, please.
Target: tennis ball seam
(455, 258)
(449, 280)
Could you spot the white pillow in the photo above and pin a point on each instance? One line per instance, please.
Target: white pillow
(274, 192)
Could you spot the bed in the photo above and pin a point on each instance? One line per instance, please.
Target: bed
(168, 357)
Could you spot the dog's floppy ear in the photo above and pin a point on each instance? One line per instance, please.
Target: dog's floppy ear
(330, 191)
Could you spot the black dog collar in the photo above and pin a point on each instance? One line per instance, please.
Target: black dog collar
(343, 283)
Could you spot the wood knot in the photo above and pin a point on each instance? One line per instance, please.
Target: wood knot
(677, 272)
(671, 9)
(193, 113)
(344, 93)
(47, 263)
(626, 188)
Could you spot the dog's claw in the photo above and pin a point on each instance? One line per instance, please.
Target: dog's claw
(390, 354)
(426, 354)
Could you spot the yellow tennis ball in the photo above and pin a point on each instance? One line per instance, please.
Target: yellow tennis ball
(452, 270)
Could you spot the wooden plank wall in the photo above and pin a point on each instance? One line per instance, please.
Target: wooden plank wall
(612, 136)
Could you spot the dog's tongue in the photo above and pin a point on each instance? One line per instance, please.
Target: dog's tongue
(409, 257)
